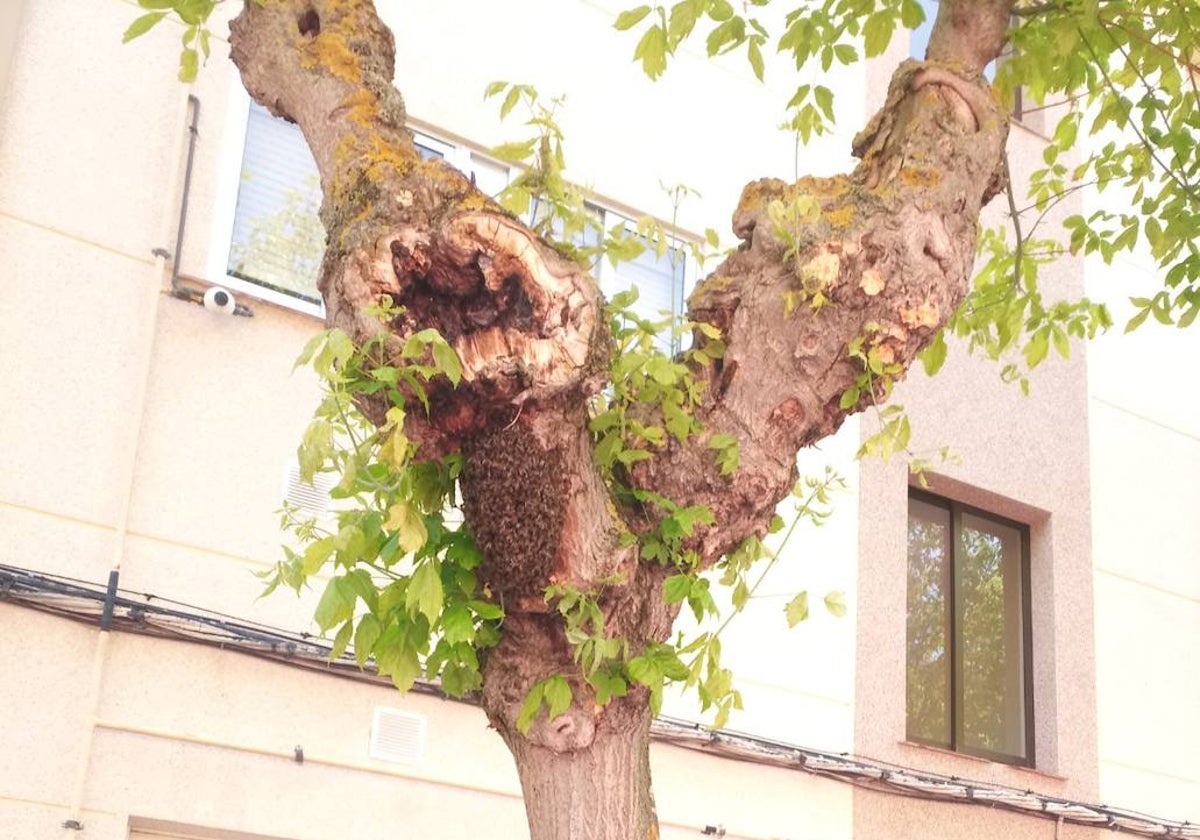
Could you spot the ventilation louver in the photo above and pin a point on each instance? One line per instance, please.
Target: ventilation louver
(397, 736)
(311, 499)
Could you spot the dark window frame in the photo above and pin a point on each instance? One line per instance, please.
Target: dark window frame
(956, 510)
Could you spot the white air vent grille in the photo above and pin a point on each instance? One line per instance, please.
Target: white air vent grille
(312, 499)
(397, 736)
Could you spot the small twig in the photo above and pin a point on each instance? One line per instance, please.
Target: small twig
(1015, 215)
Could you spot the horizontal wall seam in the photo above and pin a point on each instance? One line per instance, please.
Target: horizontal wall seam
(147, 260)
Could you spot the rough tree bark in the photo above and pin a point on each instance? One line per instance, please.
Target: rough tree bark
(891, 249)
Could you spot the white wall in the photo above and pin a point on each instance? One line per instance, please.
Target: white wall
(1145, 430)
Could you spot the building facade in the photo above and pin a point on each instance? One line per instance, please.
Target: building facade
(148, 436)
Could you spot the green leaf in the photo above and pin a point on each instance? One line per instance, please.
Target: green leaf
(311, 348)
(631, 18)
(142, 25)
(1037, 348)
(741, 594)
(934, 356)
(529, 709)
(396, 657)
(317, 553)
(424, 594)
(645, 670)
(676, 588)
(797, 609)
(457, 624)
(404, 520)
(608, 686)
(1062, 344)
(334, 607)
(493, 88)
(342, 640)
(189, 65)
(365, 637)
(518, 151)
(754, 54)
(557, 693)
(911, 14)
(877, 33)
(652, 51)
(510, 101)
(835, 602)
(447, 361)
(486, 611)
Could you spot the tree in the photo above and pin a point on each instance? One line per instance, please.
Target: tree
(599, 477)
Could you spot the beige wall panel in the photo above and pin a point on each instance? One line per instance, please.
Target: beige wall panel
(47, 542)
(224, 414)
(77, 317)
(219, 582)
(86, 149)
(202, 737)
(693, 790)
(32, 820)
(1148, 687)
(1145, 498)
(223, 788)
(896, 818)
(45, 685)
(1141, 788)
(218, 696)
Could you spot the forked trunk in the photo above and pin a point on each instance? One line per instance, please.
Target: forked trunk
(837, 285)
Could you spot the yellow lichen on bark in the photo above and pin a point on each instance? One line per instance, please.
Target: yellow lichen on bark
(329, 50)
(840, 217)
(360, 106)
(919, 176)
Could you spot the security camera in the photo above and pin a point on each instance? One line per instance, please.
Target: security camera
(220, 300)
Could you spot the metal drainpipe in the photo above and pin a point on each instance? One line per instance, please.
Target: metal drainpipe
(154, 275)
(193, 103)
(178, 289)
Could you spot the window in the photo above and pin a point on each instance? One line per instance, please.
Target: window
(659, 280)
(968, 643)
(277, 240)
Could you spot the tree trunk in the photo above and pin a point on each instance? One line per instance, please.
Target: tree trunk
(599, 793)
(877, 259)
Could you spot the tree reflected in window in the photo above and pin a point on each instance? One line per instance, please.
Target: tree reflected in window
(967, 647)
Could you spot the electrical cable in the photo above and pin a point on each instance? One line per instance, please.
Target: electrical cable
(148, 614)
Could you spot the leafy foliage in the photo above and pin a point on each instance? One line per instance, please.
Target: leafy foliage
(193, 15)
(399, 572)
(1129, 74)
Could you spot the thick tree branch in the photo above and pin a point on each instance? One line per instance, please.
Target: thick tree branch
(969, 33)
(883, 255)
(413, 245)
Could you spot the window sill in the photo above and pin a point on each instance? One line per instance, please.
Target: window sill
(1032, 771)
(259, 294)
